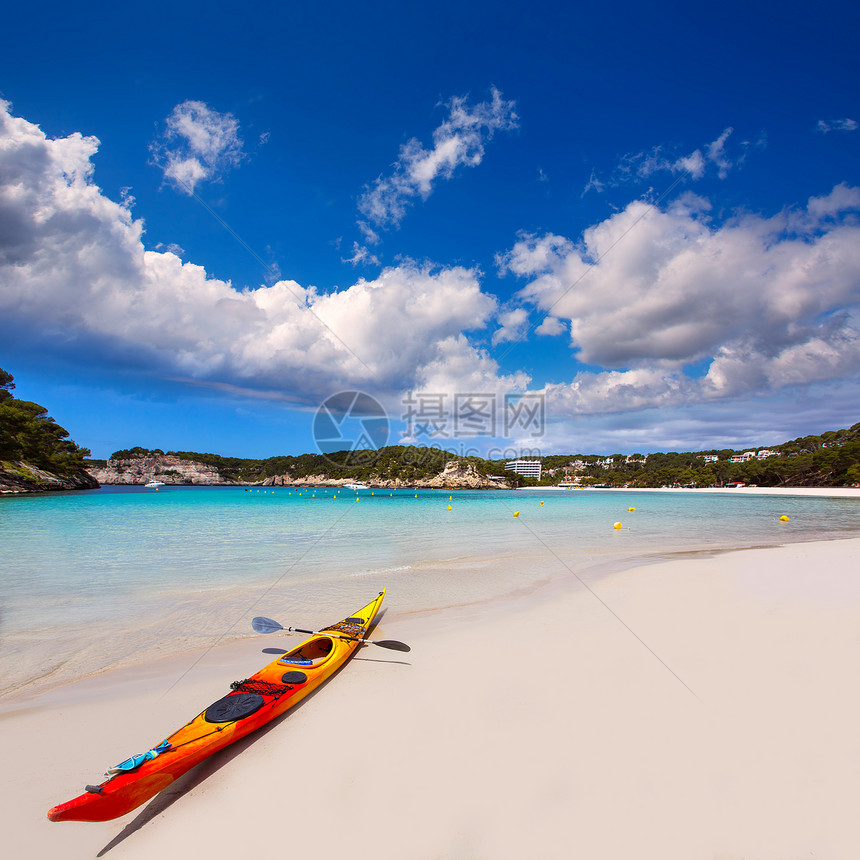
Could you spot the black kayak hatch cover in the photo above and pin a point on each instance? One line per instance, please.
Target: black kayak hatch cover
(233, 707)
(293, 677)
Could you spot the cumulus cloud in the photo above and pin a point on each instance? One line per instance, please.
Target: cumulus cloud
(826, 126)
(740, 422)
(766, 303)
(74, 270)
(458, 141)
(198, 144)
(512, 325)
(550, 326)
(670, 309)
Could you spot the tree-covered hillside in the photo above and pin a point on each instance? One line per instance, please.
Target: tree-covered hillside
(829, 460)
(390, 463)
(35, 452)
(29, 434)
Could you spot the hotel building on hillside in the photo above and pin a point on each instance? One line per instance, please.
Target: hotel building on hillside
(526, 468)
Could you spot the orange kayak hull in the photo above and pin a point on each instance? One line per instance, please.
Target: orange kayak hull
(270, 692)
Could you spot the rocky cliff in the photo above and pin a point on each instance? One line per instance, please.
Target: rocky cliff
(24, 478)
(462, 476)
(305, 481)
(158, 467)
(455, 476)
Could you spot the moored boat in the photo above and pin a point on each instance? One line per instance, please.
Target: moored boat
(251, 703)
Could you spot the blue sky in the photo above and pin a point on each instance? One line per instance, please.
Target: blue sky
(643, 218)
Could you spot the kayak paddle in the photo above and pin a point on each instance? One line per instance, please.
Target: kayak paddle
(261, 624)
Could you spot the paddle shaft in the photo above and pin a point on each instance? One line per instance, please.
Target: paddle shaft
(327, 633)
(320, 633)
(382, 643)
(269, 625)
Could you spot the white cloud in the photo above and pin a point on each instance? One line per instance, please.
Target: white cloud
(198, 144)
(458, 141)
(361, 255)
(74, 272)
(825, 126)
(513, 325)
(551, 326)
(684, 316)
(740, 422)
(593, 182)
(766, 302)
(716, 154)
(635, 167)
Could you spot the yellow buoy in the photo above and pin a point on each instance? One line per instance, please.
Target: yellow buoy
(516, 513)
(541, 504)
(783, 519)
(449, 507)
(631, 510)
(617, 526)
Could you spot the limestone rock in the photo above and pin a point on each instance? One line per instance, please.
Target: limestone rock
(159, 467)
(456, 475)
(24, 478)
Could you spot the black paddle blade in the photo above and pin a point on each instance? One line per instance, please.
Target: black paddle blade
(393, 644)
(261, 624)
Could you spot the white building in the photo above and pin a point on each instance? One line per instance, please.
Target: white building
(526, 468)
(742, 458)
(710, 458)
(765, 453)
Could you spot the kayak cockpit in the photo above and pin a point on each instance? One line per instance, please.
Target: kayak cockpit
(311, 653)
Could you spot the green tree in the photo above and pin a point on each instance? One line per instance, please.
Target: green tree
(29, 434)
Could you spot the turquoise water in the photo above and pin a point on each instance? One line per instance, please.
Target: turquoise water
(121, 574)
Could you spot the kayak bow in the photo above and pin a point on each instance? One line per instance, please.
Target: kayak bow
(251, 703)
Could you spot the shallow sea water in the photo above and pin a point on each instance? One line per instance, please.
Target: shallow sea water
(122, 574)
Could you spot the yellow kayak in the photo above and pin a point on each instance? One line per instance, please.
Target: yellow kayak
(251, 703)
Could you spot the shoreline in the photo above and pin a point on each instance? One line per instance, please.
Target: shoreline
(821, 492)
(181, 660)
(589, 569)
(706, 701)
(592, 567)
(824, 492)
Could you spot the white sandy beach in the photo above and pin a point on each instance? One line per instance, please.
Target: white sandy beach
(820, 492)
(712, 713)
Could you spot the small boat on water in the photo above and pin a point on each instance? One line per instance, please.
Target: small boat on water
(251, 703)
(155, 484)
(357, 486)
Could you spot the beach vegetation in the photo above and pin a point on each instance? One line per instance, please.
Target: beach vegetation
(29, 435)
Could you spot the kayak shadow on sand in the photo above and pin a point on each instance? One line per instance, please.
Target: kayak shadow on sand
(188, 781)
(199, 774)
